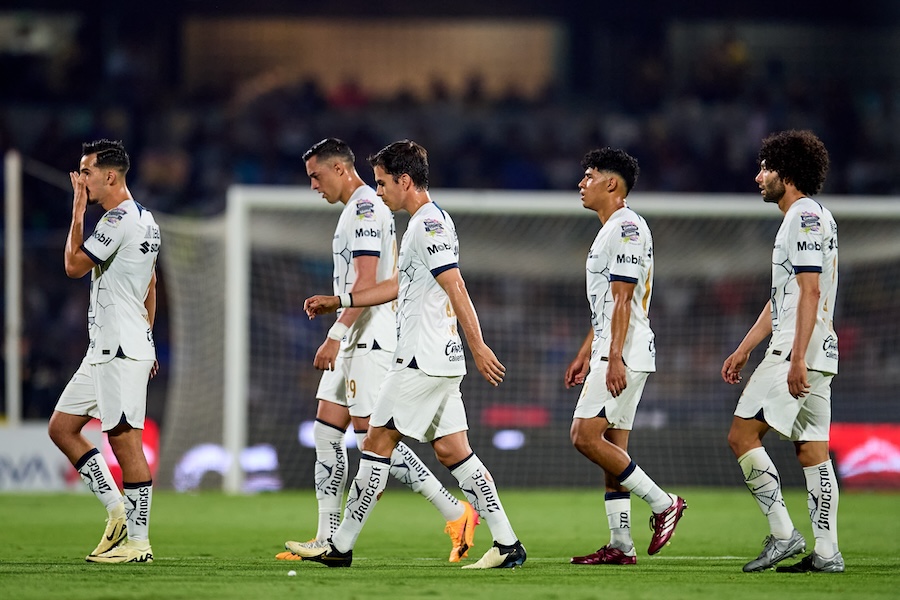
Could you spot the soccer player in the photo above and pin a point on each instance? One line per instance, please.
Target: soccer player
(790, 390)
(420, 396)
(617, 356)
(357, 351)
(111, 383)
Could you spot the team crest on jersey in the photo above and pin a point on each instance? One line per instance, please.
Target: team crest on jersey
(433, 227)
(365, 209)
(809, 221)
(112, 217)
(630, 232)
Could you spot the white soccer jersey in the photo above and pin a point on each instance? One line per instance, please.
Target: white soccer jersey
(622, 251)
(806, 242)
(366, 228)
(426, 324)
(124, 246)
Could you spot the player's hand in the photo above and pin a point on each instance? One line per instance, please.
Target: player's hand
(616, 381)
(489, 365)
(326, 355)
(79, 196)
(798, 385)
(320, 305)
(731, 368)
(577, 371)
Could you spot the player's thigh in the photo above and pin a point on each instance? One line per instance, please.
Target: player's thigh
(122, 391)
(80, 395)
(596, 400)
(364, 375)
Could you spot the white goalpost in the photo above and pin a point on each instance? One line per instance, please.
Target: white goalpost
(241, 365)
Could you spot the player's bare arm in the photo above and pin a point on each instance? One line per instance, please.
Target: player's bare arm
(381, 292)
(731, 368)
(580, 365)
(487, 363)
(78, 263)
(807, 306)
(150, 306)
(622, 292)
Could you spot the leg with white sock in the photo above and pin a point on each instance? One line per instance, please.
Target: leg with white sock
(478, 485)
(764, 483)
(618, 517)
(365, 490)
(822, 499)
(330, 476)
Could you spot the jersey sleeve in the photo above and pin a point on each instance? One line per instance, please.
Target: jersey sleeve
(805, 238)
(628, 253)
(107, 236)
(438, 246)
(366, 240)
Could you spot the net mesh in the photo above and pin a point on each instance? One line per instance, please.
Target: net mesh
(523, 260)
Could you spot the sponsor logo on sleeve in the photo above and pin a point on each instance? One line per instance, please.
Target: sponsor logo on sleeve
(809, 221)
(433, 227)
(114, 217)
(630, 232)
(102, 238)
(365, 209)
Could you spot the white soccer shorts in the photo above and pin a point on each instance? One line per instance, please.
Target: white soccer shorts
(806, 419)
(355, 381)
(422, 406)
(109, 391)
(618, 410)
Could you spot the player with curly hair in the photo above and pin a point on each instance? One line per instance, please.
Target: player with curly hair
(790, 390)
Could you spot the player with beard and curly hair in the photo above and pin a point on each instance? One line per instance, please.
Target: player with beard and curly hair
(790, 390)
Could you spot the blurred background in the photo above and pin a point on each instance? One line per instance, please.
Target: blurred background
(506, 95)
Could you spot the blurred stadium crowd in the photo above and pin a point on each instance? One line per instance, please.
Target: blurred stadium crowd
(696, 134)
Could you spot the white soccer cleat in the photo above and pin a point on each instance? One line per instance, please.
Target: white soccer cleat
(116, 532)
(497, 557)
(130, 551)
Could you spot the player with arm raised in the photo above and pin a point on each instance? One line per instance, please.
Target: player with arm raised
(617, 356)
(421, 395)
(790, 390)
(111, 382)
(357, 351)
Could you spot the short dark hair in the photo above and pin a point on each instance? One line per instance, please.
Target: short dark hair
(331, 148)
(614, 161)
(110, 154)
(799, 157)
(402, 157)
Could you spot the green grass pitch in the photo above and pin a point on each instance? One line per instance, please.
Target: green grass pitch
(214, 546)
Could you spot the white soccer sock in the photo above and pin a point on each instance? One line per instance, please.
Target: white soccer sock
(822, 499)
(412, 472)
(639, 483)
(764, 483)
(365, 490)
(618, 516)
(477, 484)
(96, 474)
(138, 497)
(330, 477)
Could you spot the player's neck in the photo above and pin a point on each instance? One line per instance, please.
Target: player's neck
(116, 198)
(416, 201)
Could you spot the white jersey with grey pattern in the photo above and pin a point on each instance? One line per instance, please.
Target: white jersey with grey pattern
(426, 323)
(366, 228)
(807, 241)
(124, 247)
(622, 251)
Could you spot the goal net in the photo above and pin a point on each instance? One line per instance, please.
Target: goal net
(242, 389)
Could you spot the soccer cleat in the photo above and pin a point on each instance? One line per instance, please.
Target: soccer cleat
(305, 549)
(813, 563)
(115, 534)
(607, 555)
(130, 551)
(286, 555)
(775, 551)
(501, 557)
(321, 552)
(663, 524)
(462, 532)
